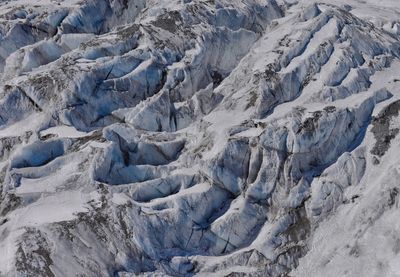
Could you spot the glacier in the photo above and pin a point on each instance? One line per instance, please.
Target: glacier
(199, 138)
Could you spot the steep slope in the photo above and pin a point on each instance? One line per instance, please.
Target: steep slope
(199, 137)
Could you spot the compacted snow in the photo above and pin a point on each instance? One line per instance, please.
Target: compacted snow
(196, 137)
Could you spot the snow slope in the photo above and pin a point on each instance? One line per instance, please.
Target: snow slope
(199, 138)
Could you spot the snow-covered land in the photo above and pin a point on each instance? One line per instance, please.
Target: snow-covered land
(200, 138)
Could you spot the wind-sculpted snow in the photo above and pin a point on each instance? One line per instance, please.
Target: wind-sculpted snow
(187, 138)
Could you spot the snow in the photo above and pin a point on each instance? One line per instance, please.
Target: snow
(64, 132)
(221, 122)
(119, 199)
(30, 123)
(55, 208)
(364, 226)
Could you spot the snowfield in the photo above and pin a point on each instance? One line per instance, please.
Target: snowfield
(200, 138)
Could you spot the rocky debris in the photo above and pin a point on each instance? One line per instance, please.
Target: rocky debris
(33, 254)
(382, 129)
